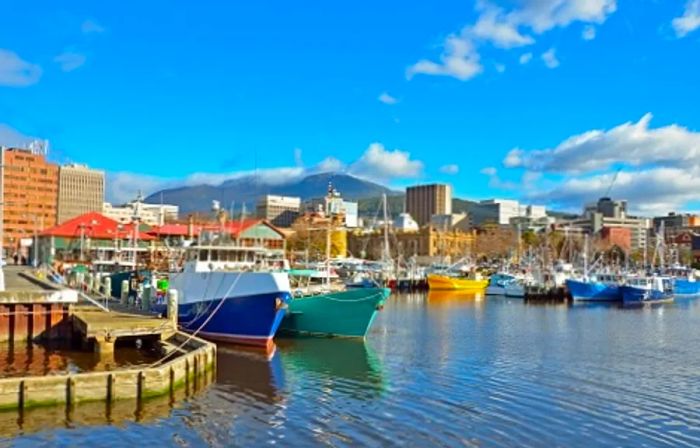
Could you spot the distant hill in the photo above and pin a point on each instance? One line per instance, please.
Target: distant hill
(248, 190)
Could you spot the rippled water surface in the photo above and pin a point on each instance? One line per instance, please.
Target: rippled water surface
(444, 369)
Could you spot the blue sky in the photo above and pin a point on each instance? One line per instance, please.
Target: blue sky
(162, 93)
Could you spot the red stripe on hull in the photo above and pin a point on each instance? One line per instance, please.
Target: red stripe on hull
(264, 343)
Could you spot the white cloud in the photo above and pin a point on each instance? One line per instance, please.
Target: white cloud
(549, 58)
(588, 33)
(500, 68)
(525, 58)
(12, 138)
(377, 163)
(489, 171)
(330, 165)
(495, 27)
(16, 72)
(450, 169)
(70, 61)
(659, 167)
(387, 99)
(689, 21)
(509, 29)
(298, 161)
(458, 60)
(633, 144)
(92, 27)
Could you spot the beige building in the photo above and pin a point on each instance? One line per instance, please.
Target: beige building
(424, 201)
(281, 211)
(80, 190)
(151, 214)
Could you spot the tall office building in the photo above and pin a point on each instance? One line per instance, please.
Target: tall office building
(80, 190)
(281, 211)
(29, 196)
(424, 201)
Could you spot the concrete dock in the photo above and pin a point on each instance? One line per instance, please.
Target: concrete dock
(32, 309)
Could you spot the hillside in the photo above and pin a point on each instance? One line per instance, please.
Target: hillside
(247, 190)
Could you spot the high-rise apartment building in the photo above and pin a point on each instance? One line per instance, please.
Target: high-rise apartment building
(29, 196)
(424, 201)
(80, 190)
(281, 211)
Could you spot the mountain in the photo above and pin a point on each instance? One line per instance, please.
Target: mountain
(248, 190)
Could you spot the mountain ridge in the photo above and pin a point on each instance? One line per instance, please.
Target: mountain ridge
(232, 193)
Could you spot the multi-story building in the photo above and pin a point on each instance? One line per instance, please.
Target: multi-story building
(80, 190)
(151, 214)
(281, 211)
(607, 213)
(505, 212)
(29, 196)
(424, 201)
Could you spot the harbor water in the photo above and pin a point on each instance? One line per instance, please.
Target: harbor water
(444, 370)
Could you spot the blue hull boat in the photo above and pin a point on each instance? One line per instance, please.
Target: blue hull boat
(685, 287)
(634, 295)
(591, 291)
(248, 320)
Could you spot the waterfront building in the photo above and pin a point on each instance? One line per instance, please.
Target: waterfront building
(453, 221)
(427, 245)
(151, 214)
(607, 213)
(80, 190)
(346, 212)
(405, 223)
(281, 211)
(95, 238)
(424, 201)
(29, 196)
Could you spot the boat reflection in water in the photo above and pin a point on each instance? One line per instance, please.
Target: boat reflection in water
(455, 298)
(346, 366)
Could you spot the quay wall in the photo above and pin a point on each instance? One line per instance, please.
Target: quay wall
(184, 370)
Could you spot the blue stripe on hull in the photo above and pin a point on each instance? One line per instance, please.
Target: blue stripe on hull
(252, 320)
(593, 291)
(684, 287)
(636, 296)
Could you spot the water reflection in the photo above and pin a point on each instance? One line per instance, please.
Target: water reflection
(344, 365)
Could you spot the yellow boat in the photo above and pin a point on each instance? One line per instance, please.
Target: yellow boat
(444, 282)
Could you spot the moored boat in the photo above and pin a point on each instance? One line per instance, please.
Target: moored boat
(497, 284)
(223, 300)
(345, 313)
(641, 290)
(601, 288)
(446, 282)
(686, 287)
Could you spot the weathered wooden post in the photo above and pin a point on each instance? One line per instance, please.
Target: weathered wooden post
(172, 307)
(125, 292)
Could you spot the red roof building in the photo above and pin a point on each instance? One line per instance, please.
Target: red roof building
(96, 226)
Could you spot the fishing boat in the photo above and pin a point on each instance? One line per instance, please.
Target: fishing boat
(515, 289)
(330, 309)
(232, 293)
(688, 287)
(641, 290)
(497, 284)
(596, 288)
(449, 282)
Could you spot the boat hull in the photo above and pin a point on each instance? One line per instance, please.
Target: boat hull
(593, 291)
(632, 295)
(684, 287)
(443, 282)
(236, 307)
(347, 313)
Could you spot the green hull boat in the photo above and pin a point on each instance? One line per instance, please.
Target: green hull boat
(347, 313)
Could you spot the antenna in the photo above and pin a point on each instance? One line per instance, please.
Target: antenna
(614, 179)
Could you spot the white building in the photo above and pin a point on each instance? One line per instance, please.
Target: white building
(451, 221)
(503, 211)
(281, 211)
(151, 214)
(405, 223)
